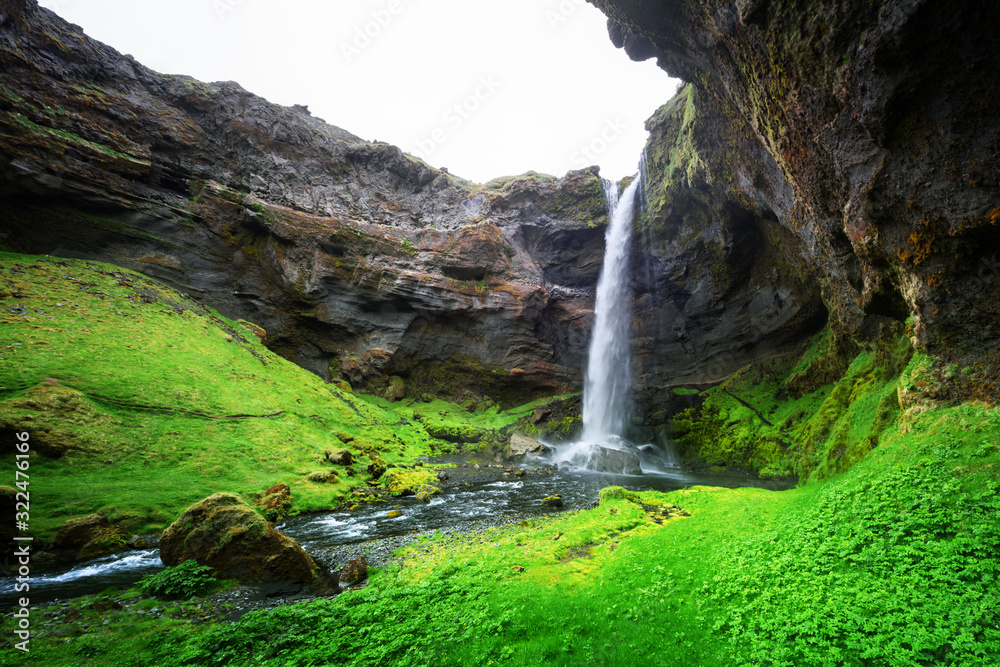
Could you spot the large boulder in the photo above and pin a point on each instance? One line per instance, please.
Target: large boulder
(91, 536)
(616, 461)
(521, 445)
(226, 534)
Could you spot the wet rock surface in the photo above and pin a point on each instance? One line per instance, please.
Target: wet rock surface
(608, 460)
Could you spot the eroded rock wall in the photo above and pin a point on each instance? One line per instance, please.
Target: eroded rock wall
(868, 131)
(359, 261)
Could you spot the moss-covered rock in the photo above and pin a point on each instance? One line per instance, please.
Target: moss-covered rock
(340, 457)
(354, 572)
(226, 534)
(427, 491)
(91, 536)
(377, 467)
(400, 482)
(276, 503)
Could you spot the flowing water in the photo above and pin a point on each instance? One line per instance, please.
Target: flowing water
(472, 497)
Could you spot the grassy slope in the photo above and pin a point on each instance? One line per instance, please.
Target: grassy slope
(161, 402)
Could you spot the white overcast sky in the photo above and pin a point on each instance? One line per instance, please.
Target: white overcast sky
(485, 88)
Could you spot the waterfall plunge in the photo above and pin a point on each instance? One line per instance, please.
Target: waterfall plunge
(607, 383)
(605, 393)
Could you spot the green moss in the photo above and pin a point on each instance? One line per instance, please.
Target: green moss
(77, 140)
(410, 482)
(166, 402)
(810, 415)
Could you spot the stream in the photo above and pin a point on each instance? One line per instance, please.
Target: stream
(473, 498)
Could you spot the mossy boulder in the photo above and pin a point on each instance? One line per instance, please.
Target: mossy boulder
(323, 477)
(277, 502)
(354, 571)
(91, 536)
(226, 534)
(377, 467)
(340, 457)
(408, 482)
(426, 492)
(553, 501)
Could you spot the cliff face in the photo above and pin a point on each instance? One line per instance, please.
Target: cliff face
(361, 262)
(866, 130)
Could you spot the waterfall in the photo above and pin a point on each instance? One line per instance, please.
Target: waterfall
(602, 446)
(607, 383)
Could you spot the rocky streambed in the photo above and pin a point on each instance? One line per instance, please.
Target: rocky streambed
(476, 496)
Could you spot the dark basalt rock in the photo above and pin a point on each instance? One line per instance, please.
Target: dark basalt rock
(866, 132)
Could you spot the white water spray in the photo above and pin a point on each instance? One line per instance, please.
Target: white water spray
(602, 446)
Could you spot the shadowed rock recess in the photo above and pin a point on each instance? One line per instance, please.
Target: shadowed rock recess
(813, 167)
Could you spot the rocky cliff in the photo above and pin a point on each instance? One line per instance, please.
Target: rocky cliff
(860, 137)
(360, 262)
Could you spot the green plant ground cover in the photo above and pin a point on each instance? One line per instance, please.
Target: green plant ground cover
(895, 562)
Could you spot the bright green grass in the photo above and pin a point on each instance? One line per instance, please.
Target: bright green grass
(163, 402)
